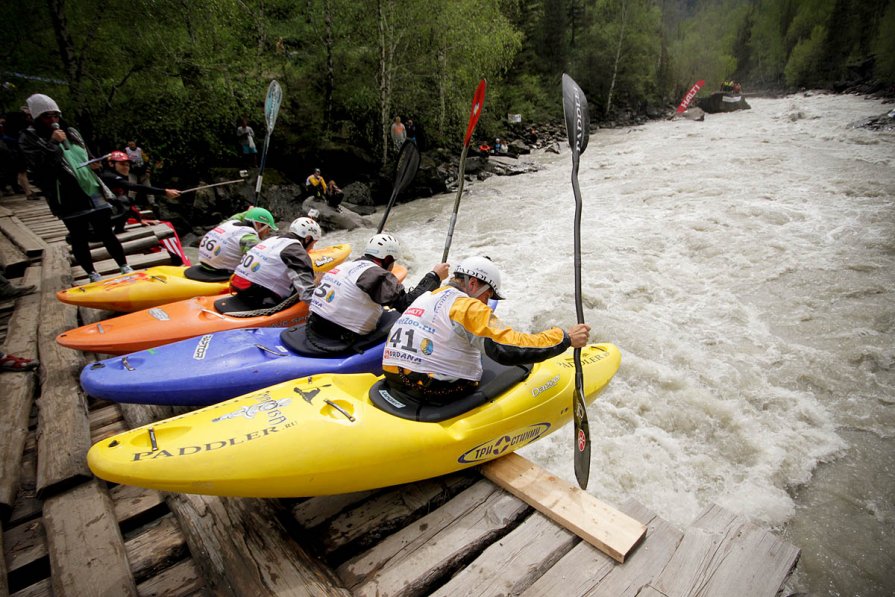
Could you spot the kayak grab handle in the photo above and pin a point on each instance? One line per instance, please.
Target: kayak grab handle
(152, 439)
(215, 313)
(273, 352)
(340, 409)
(126, 364)
(159, 278)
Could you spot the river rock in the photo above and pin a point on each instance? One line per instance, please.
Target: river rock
(336, 218)
(722, 102)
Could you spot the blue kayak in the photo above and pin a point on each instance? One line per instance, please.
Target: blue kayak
(215, 367)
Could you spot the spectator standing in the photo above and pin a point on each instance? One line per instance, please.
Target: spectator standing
(139, 174)
(55, 154)
(246, 136)
(411, 130)
(399, 133)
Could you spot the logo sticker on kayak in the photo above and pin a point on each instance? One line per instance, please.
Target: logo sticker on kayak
(202, 347)
(269, 406)
(543, 388)
(320, 262)
(119, 280)
(159, 314)
(504, 443)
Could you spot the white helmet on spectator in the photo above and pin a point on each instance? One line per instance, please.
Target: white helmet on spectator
(304, 227)
(483, 269)
(382, 246)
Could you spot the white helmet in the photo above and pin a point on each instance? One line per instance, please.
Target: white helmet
(304, 227)
(382, 246)
(483, 269)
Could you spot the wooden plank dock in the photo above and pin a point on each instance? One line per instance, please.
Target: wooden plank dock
(67, 533)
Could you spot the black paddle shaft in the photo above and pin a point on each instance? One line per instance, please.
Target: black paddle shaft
(577, 127)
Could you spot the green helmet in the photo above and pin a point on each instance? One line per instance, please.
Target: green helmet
(260, 215)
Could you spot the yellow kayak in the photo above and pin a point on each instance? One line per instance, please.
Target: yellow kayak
(328, 434)
(165, 284)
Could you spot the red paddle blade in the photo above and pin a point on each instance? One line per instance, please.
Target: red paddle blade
(478, 101)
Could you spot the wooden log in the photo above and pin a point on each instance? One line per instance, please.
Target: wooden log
(41, 588)
(87, 553)
(243, 550)
(131, 501)
(418, 556)
(106, 413)
(361, 526)
(180, 579)
(316, 511)
(4, 588)
(585, 570)
(156, 547)
(12, 259)
(18, 396)
(26, 505)
(596, 522)
(159, 231)
(238, 543)
(131, 247)
(23, 545)
(21, 236)
(512, 564)
(63, 430)
(135, 261)
(722, 553)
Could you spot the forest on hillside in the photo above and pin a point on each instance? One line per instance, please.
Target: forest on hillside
(178, 74)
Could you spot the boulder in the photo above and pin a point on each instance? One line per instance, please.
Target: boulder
(722, 102)
(697, 114)
(336, 218)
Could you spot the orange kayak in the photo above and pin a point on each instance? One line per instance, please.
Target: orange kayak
(169, 323)
(165, 284)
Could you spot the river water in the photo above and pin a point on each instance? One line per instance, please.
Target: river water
(744, 265)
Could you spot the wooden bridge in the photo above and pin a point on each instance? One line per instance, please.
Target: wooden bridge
(66, 533)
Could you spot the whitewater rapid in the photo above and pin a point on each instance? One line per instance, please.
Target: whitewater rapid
(744, 265)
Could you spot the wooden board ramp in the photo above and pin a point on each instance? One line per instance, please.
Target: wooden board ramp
(598, 523)
(67, 533)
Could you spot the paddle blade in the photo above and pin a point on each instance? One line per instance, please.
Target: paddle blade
(574, 107)
(407, 165)
(582, 440)
(405, 169)
(272, 104)
(478, 102)
(682, 107)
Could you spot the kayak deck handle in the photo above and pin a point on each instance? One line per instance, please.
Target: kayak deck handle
(271, 351)
(340, 409)
(159, 278)
(126, 364)
(215, 313)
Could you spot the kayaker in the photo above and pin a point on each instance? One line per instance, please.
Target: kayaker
(434, 351)
(75, 194)
(277, 268)
(225, 245)
(349, 299)
(117, 178)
